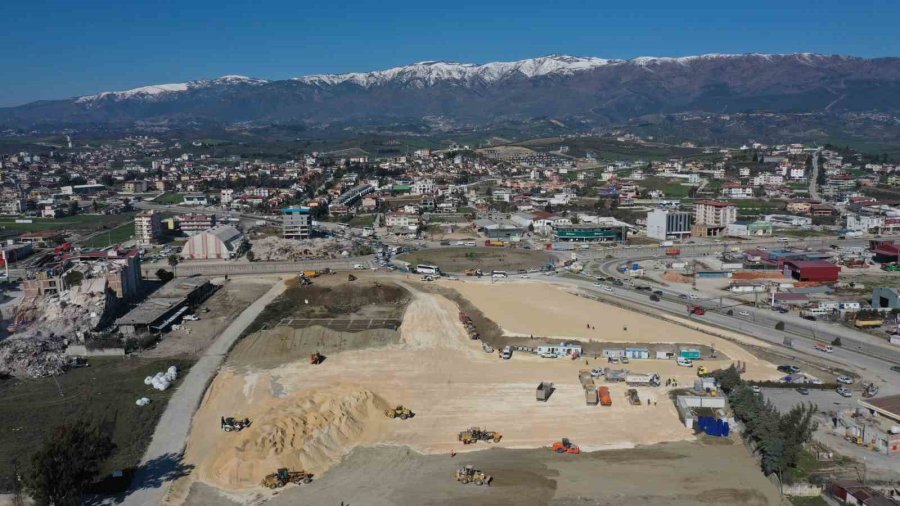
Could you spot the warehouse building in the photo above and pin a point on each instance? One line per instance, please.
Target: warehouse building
(218, 243)
(886, 298)
(165, 306)
(812, 270)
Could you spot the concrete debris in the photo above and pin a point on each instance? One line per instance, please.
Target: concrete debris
(143, 401)
(44, 325)
(277, 249)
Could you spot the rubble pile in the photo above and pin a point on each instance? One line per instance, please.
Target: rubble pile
(43, 327)
(274, 248)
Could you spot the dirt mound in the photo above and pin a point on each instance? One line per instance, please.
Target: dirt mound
(674, 277)
(283, 344)
(311, 431)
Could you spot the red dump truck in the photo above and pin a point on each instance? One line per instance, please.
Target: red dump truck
(697, 310)
(673, 252)
(605, 398)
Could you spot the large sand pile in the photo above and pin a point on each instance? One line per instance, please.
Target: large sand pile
(311, 431)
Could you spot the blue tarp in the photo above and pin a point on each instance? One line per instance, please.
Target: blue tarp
(713, 426)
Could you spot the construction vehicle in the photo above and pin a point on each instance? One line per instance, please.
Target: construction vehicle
(311, 274)
(702, 371)
(284, 476)
(304, 281)
(605, 398)
(351, 277)
(494, 243)
(231, 424)
(871, 390)
(697, 310)
(473, 435)
(474, 272)
(891, 267)
(633, 398)
(566, 446)
(316, 358)
(63, 248)
(544, 391)
(642, 380)
(469, 474)
(399, 412)
(672, 252)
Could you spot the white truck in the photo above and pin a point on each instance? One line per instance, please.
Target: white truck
(642, 380)
(666, 244)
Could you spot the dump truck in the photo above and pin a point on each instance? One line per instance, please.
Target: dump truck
(473, 435)
(605, 398)
(672, 252)
(565, 446)
(697, 310)
(633, 398)
(469, 474)
(474, 272)
(642, 380)
(232, 424)
(616, 376)
(316, 358)
(311, 274)
(591, 397)
(284, 476)
(399, 412)
(494, 243)
(544, 391)
(586, 378)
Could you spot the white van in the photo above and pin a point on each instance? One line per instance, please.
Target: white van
(684, 362)
(506, 354)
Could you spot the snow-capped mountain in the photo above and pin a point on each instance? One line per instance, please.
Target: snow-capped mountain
(157, 91)
(587, 90)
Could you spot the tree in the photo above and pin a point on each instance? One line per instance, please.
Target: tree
(729, 379)
(173, 262)
(836, 342)
(164, 275)
(66, 464)
(779, 326)
(251, 256)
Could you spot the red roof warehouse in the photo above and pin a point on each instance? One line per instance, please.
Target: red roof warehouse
(814, 270)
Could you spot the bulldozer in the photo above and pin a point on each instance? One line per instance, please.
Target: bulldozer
(232, 424)
(399, 412)
(351, 277)
(469, 474)
(284, 476)
(566, 446)
(316, 358)
(473, 435)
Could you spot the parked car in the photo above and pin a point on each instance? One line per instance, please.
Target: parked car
(607, 289)
(755, 389)
(597, 372)
(844, 392)
(684, 362)
(803, 391)
(658, 293)
(844, 380)
(743, 313)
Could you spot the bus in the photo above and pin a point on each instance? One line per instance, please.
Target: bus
(427, 269)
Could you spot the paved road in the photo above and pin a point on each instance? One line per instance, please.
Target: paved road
(162, 461)
(814, 177)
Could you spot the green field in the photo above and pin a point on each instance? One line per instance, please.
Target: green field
(672, 188)
(116, 235)
(102, 394)
(169, 198)
(362, 220)
(78, 222)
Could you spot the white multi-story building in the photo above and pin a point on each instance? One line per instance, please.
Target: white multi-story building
(422, 187)
(664, 224)
(148, 227)
(714, 214)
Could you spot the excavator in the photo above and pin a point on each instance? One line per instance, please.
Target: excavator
(469, 474)
(316, 358)
(473, 435)
(566, 446)
(284, 476)
(232, 424)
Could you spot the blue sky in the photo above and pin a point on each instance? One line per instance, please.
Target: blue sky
(56, 49)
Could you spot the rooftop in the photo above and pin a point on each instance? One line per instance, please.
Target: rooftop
(889, 405)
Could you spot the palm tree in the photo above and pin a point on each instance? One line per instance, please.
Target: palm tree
(173, 262)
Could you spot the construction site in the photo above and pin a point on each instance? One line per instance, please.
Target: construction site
(381, 389)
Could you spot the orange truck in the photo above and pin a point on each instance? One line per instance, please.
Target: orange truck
(605, 398)
(673, 252)
(494, 243)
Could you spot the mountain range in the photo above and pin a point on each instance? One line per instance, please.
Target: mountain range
(574, 90)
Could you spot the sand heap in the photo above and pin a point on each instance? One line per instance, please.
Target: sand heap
(311, 431)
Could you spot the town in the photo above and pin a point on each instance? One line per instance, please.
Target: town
(743, 281)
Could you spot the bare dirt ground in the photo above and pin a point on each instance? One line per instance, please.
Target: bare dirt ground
(235, 295)
(452, 259)
(672, 474)
(452, 384)
(530, 308)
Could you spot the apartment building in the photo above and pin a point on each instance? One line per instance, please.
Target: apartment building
(711, 218)
(148, 227)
